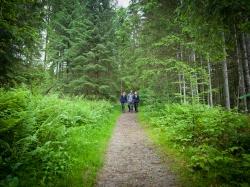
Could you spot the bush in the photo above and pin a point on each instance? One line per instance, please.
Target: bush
(47, 141)
(215, 141)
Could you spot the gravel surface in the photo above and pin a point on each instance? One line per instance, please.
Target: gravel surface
(131, 159)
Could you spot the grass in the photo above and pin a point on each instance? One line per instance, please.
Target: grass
(91, 154)
(172, 157)
(52, 141)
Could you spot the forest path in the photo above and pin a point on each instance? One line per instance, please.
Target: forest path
(131, 159)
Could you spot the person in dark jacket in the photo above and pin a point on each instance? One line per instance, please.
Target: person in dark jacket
(136, 100)
(123, 100)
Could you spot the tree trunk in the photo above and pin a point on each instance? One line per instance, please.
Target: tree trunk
(210, 93)
(180, 86)
(246, 67)
(242, 87)
(47, 21)
(196, 89)
(191, 89)
(183, 81)
(45, 50)
(225, 75)
(57, 69)
(248, 47)
(179, 80)
(202, 85)
(184, 89)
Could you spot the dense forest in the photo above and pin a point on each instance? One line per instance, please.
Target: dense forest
(64, 64)
(179, 51)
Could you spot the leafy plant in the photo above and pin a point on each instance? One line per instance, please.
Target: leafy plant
(48, 141)
(215, 142)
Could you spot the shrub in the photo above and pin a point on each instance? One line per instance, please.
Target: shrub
(40, 137)
(215, 141)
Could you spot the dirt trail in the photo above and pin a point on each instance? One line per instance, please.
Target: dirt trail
(131, 159)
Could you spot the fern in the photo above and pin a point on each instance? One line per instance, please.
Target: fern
(40, 137)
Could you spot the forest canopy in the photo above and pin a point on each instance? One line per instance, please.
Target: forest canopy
(177, 51)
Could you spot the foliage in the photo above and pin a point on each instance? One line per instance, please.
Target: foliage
(47, 141)
(214, 142)
(81, 47)
(171, 51)
(175, 50)
(20, 23)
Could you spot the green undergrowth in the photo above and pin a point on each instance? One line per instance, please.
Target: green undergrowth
(209, 146)
(50, 141)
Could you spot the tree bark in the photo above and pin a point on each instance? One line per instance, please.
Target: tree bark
(179, 79)
(57, 70)
(183, 81)
(248, 48)
(180, 86)
(45, 48)
(246, 67)
(225, 75)
(242, 87)
(184, 89)
(191, 88)
(196, 89)
(210, 93)
(202, 85)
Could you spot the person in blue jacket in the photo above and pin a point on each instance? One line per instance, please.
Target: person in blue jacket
(136, 100)
(123, 100)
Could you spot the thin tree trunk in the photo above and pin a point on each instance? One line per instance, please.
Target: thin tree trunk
(61, 69)
(196, 89)
(238, 95)
(210, 93)
(184, 89)
(242, 87)
(225, 75)
(248, 48)
(191, 88)
(45, 50)
(57, 70)
(183, 81)
(67, 70)
(180, 86)
(179, 80)
(220, 98)
(246, 67)
(202, 85)
(191, 79)
(47, 21)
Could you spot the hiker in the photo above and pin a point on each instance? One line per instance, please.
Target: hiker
(123, 100)
(136, 101)
(130, 101)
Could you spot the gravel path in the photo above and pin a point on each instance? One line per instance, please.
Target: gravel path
(131, 159)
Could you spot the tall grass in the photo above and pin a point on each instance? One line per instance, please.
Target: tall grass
(210, 145)
(48, 141)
